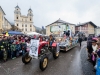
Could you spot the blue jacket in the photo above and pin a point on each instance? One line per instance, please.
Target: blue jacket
(98, 67)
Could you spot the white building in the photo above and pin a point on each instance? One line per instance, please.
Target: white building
(25, 23)
(59, 26)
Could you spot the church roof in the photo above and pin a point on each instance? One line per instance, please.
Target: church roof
(17, 7)
(2, 10)
(30, 9)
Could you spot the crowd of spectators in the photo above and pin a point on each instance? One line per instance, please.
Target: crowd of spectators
(93, 49)
(14, 46)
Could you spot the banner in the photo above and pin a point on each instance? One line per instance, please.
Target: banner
(57, 28)
(34, 47)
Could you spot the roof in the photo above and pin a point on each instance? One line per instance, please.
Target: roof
(2, 10)
(87, 23)
(30, 9)
(17, 7)
(60, 21)
(7, 20)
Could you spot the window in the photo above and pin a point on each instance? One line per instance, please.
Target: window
(17, 24)
(26, 20)
(30, 29)
(22, 25)
(17, 9)
(22, 29)
(30, 25)
(17, 17)
(25, 25)
(25, 29)
(30, 19)
(22, 19)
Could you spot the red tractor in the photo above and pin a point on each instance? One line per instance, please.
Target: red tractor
(43, 51)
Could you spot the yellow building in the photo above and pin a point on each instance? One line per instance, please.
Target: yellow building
(59, 26)
(4, 23)
(25, 23)
(2, 14)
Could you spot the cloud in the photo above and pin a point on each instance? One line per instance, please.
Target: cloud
(48, 11)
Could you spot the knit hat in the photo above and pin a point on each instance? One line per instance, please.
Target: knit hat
(94, 40)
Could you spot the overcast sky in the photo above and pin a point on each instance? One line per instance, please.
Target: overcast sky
(48, 11)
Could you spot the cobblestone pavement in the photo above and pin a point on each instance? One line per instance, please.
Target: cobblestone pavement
(86, 65)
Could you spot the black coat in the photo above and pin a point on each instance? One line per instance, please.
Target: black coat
(89, 47)
(80, 40)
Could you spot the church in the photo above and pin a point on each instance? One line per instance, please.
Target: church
(24, 23)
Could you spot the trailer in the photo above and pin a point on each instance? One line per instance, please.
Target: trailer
(67, 44)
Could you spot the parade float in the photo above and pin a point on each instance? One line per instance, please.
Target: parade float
(40, 50)
(66, 42)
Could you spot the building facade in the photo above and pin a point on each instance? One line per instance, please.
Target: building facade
(97, 31)
(25, 23)
(87, 28)
(4, 23)
(59, 26)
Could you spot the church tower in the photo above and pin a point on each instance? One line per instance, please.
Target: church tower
(17, 14)
(30, 15)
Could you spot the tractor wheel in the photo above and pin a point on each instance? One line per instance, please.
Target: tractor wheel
(43, 62)
(26, 58)
(56, 52)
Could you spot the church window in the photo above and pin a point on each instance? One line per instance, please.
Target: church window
(25, 29)
(17, 17)
(25, 25)
(30, 29)
(30, 25)
(22, 25)
(17, 24)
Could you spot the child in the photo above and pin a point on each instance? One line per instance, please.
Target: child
(23, 47)
(94, 47)
(18, 48)
(13, 50)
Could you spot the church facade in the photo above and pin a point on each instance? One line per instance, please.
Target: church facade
(24, 23)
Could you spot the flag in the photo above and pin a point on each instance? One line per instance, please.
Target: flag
(6, 34)
(42, 27)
